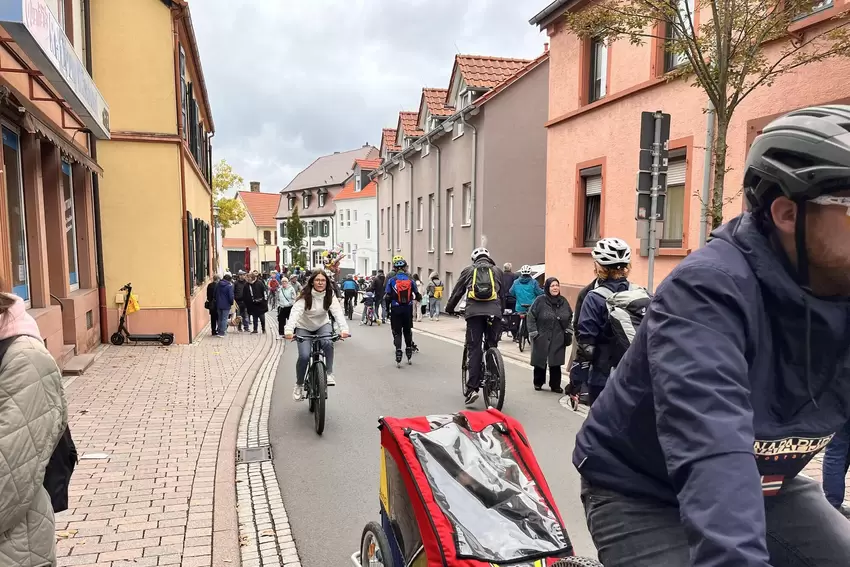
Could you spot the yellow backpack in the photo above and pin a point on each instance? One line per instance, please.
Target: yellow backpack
(483, 284)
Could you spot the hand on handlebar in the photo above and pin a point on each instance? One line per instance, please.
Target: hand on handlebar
(344, 335)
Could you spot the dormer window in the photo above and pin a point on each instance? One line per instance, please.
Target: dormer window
(358, 184)
(305, 201)
(406, 143)
(290, 201)
(321, 200)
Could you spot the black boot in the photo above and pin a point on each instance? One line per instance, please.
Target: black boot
(398, 355)
(409, 353)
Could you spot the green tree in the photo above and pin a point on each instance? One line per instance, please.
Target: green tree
(727, 56)
(295, 237)
(230, 210)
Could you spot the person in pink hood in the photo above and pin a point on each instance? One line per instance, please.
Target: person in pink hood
(33, 417)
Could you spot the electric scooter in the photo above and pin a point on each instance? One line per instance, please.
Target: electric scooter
(123, 334)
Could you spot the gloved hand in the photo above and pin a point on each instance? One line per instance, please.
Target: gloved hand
(585, 352)
(533, 335)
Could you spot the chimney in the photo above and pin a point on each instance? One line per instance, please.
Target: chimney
(546, 47)
(255, 187)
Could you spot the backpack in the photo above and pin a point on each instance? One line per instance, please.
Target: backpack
(438, 291)
(483, 284)
(404, 291)
(57, 475)
(626, 310)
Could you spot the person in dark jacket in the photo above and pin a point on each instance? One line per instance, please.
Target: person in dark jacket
(508, 277)
(241, 299)
(379, 284)
(256, 301)
(210, 304)
(483, 317)
(595, 343)
(224, 299)
(580, 370)
(402, 313)
(550, 330)
(738, 376)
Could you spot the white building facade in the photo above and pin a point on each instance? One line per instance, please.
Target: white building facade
(357, 220)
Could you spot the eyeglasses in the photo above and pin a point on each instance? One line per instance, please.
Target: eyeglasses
(826, 200)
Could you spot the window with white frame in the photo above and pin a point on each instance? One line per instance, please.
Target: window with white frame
(467, 204)
(290, 201)
(305, 201)
(672, 59)
(348, 217)
(598, 69)
(383, 224)
(450, 221)
(355, 216)
(397, 226)
(358, 183)
(20, 283)
(674, 202)
(70, 225)
(321, 200)
(432, 221)
(420, 214)
(407, 216)
(368, 229)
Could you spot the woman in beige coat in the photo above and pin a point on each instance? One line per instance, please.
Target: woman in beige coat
(33, 416)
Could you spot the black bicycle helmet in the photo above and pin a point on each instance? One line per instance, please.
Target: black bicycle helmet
(803, 154)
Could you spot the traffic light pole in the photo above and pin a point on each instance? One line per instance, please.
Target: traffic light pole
(656, 169)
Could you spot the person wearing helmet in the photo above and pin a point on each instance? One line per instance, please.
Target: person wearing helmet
(612, 258)
(402, 293)
(481, 285)
(738, 376)
(349, 289)
(525, 289)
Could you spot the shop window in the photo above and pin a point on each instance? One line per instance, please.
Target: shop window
(591, 180)
(70, 226)
(674, 204)
(17, 220)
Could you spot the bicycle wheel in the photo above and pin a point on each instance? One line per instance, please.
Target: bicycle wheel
(375, 550)
(522, 335)
(494, 379)
(308, 390)
(320, 389)
(464, 369)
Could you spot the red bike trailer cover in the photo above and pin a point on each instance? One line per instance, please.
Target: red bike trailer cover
(436, 529)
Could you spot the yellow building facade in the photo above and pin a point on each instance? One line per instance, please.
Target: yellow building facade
(156, 198)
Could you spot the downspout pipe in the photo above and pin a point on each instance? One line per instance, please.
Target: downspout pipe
(437, 191)
(390, 216)
(410, 264)
(95, 189)
(474, 182)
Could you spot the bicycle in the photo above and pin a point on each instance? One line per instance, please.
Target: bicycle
(522, 331)
(492, 372)
(349, 306)
(316, 379)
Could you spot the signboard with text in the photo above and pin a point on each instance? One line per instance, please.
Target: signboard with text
(37, 31)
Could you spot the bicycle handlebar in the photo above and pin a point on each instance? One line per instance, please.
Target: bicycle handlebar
(312, 338)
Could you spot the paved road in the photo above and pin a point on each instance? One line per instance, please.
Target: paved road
(330, 484)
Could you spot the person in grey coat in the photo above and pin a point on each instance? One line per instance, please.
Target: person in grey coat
(551, 332)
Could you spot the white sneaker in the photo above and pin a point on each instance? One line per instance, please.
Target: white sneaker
(331, 380)
(298, 393)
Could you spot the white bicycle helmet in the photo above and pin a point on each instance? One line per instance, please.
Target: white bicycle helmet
(526, 270)
(612, 252)
(479, 253)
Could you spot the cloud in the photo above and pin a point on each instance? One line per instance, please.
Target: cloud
(291, 80)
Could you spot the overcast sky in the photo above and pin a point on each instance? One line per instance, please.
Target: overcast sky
(291, 80)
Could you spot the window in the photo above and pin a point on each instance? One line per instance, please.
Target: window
(368, 229)
(383, 224)
(325, 228)
(321, 200)
(397, 225)
(673, 60)
(674, 204)
(348, 247)
(282, 230)
(17, 220)
(450, 221)
(432, 221)
(592, 185)
(598, 69)
(358, 184)
(420, 214)
(348, 217)
(184, 93)
(467, 204)
(267, 237)
(201, 243)
(314, 228)
(306, 201)
(817, 8)
(355, 216)
(290, 200)
(275, 237)
(70, 225)
(407, 216)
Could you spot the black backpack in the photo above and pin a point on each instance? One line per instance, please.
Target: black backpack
(57, 475)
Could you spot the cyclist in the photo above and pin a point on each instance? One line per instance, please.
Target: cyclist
(595, 344)
(580, 371)
(402, 294)
(481, 285)
(311, 316)
(737, 377)
(525, 290)
(349, 288)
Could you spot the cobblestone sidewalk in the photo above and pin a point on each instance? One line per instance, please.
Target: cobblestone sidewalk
(148, 421)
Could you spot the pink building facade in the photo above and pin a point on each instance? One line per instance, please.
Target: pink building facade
(595, 99)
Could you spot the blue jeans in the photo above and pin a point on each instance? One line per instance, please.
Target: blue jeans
(243, 312)
(433, 307)
(305, 347)
(836, 461)
(222, 321)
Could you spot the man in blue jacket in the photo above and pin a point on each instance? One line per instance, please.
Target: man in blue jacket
(401, 292)
(224, 298)
(738, 376)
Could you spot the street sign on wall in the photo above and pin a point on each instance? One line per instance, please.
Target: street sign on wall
(35, 29)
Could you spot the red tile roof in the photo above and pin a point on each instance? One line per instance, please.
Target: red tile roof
(388, 140)
(483, 72)
(408, 121)
(513, 79)
(261, 206)
(368, 164)
(435, 99)
(371, 190)
(238, 243)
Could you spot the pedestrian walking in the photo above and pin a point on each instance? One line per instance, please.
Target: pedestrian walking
(210, 304)
(417, 303)
(434, 291)
(550, 330)
(286, 296)
(258, 305)
(508, 279)
(379, 289)
(224, 299)
(836, 464)
(33, 419)
(241, 299)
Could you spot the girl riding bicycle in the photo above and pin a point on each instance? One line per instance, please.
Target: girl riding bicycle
(310, 316)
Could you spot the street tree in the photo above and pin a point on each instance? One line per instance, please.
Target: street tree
(224, 184)
(295, 237)
(744, 45)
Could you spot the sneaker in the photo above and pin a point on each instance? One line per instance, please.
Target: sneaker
(471, 397)
(558, 390)
(253, 332)
(298, 393)
(330, 379)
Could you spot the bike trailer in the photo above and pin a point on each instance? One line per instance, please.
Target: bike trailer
(463, 490)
